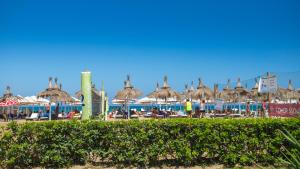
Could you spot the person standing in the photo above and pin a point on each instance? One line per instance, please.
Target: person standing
(264, 108)
(202, 108)
(248, 109)
(188, 108)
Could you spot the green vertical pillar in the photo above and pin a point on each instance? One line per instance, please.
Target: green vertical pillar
(86, 89)
(102, 99)
(106, 107)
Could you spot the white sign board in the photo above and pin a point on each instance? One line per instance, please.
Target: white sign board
(267, 84)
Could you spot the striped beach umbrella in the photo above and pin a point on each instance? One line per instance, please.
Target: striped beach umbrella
(8, 103)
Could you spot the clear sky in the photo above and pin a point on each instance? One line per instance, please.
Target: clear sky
(212, 39)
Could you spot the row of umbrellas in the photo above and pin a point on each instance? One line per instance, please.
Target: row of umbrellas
(202, 92)
(52, 94)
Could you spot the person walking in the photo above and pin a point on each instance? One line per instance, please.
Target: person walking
(188, 108)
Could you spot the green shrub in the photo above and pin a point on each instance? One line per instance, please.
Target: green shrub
(58, 144)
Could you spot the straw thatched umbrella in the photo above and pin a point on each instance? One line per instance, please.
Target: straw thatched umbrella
(227, 93)
(166, 92)
(155, 93)
(254, 90)
(202, 92)
(288, 93)
(8, 95)
(129, 92)
(55, 94)
(189, 92)
(240, 93)
(95, 94)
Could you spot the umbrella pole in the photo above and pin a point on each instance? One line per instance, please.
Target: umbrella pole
(50, 111)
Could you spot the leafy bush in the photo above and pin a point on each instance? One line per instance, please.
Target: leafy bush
(58, 144)
(292, 158)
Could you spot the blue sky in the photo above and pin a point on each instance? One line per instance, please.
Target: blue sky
(214, 40)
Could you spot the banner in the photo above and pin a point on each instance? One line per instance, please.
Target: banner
(283, 110)
(267, 84)
(219, 105)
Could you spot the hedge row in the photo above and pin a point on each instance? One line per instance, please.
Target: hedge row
(59, 144)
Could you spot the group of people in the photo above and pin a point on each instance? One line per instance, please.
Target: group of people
(10, 114)
(201, 110)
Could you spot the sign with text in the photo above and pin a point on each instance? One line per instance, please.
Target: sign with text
(268, 84)
(283, 110)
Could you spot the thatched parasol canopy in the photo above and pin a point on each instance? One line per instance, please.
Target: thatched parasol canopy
(55, 94)
(129, 92)
(288, 93)
(188, 93)
(227, 93)
(8, 95)
(166, 92)
(155, 93)
(94, 92)
(240, 93)
(202, 92)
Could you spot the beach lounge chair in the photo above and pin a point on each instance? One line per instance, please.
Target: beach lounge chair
(148, 115)
(235, 115)
(174, 116)
(34, 116)
(218, 115)
(77, 116)
(134, 116)
(61, 116)
(183, 116)
(118, 116)
(160, 116)
(44, 116)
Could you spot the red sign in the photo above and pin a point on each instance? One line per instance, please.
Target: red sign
(283, 110)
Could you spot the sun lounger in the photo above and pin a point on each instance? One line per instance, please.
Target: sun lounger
(147, 115)
(77, 116)
(61, 116)
(235, 115)
(174, 116)
(118, 116)
(160, 116)
(218, 115)
(34, 116)
(134, 116)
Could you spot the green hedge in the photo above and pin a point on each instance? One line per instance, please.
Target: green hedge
(143, 143)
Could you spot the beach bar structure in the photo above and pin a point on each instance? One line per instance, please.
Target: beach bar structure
(86, 89)
(99, 99)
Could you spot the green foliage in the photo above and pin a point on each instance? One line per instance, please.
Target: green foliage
(291, 157)
(59, 144)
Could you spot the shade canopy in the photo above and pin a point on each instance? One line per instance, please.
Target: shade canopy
(287, 93)
(8, 103)
(8, 96)
(227, 93)
(166, 91)
(240, 93)
(55, 94)
(155, 93)
(189, 92)
(202, 92)
(128, 92)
